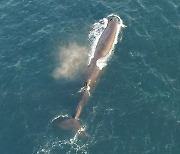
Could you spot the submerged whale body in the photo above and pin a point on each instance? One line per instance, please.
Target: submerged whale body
(104, 46)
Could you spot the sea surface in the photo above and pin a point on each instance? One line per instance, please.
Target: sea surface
(135, 108)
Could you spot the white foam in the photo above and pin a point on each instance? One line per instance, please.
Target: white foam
(59, 116)
(95, 34)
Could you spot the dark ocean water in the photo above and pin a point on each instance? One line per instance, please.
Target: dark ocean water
(135, 108)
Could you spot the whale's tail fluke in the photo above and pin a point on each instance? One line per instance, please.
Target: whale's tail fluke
(70, 124)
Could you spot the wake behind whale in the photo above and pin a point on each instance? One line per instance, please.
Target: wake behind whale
(102, 47)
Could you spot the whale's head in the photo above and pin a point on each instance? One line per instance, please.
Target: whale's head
(113, 19)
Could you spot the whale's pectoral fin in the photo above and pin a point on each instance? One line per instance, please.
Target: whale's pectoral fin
(86, 89)
(81, 90)
(72, 125)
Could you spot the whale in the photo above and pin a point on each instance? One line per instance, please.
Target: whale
(103, 48)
